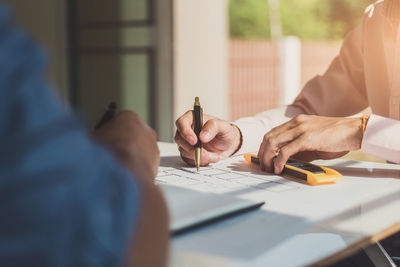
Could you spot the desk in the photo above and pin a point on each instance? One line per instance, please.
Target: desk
(267, 237)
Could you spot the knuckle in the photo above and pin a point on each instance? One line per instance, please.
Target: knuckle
(284, 152)
(269, 140)
(303, 141)
(266, 138)
(176, 138)
(300, 118)
(302, 127)
(185, 133)
(274, 129)
(179, 122)
(213, 123)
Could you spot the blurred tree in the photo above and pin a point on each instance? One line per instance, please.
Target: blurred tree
(341, 15)
(249, 19)
(307, 19)
(299, 18)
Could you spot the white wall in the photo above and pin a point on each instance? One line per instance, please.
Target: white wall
(46, 21)
(201, 56)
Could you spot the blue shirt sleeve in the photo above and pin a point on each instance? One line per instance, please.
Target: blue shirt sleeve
(64, 200)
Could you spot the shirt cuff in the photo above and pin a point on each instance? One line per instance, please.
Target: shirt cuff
(381, 138)
(254, 128)
(252, 135)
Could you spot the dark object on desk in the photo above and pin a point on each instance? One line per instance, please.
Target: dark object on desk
(190, 209)
(108, 114)
(198, 124)
(218, 218)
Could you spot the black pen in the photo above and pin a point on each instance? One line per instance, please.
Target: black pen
(108, 115)
(198, 123)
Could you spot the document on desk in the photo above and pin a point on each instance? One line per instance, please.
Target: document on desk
(237, 178)
(192, 209)
(230, 176)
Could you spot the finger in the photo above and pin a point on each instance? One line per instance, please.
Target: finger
(267, 157)
(183, 143)
(276, 131)
(184, 126)
(264, 152)
(275, 139)
(260, 155)
(212, 128)
(191, 162)
(205, 159)
(267, 152)
(287, 151)
(286, 132)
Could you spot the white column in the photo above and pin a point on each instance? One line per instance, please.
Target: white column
(201, 56)
(290, 69)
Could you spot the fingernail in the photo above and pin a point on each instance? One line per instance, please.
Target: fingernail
(191, 140)
(206, 135)
(277, 169)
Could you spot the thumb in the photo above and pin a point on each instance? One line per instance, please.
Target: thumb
(211, 129)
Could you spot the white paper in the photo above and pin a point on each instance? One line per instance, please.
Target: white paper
(238, 178)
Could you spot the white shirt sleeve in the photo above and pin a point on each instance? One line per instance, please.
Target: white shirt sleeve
(382, 138)
(254, 128)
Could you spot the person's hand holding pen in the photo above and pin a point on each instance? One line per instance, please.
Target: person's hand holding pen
(220, 139)
(135, 146)
(133, 142)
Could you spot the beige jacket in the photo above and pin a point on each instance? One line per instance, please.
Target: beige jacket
(365, 73)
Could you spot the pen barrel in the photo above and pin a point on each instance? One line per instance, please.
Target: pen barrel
(108, 115)
(198, 123)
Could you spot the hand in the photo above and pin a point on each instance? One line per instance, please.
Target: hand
(309, 137)
(134, 143)
(219, 138)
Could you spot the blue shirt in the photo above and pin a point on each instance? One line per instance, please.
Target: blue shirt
(64, 200)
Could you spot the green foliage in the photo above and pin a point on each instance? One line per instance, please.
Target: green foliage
(307, 19)
(341, 15)
(249, 19)
(298, 17)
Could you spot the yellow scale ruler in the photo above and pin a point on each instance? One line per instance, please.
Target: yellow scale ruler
(305, 172)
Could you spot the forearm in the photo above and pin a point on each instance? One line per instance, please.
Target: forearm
(254, 128)
(381, 138)
(150, 246)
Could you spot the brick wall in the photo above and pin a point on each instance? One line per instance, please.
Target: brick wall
(253, 73)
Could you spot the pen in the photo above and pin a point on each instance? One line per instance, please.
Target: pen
(198, 123)
(108, 115)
